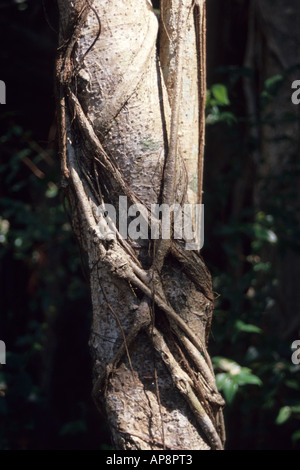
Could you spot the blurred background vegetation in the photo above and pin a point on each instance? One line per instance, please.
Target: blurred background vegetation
(251, 228)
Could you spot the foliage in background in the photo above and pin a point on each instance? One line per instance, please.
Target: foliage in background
(45, 306)
(253, 363)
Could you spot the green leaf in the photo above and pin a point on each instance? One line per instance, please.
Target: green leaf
(230, 389)
(272, 83)
(294, 384)
(296, 409)
(220, 380)
(265, 267)
(227, 117)
(214, 116)
(220, 94)
(247, 328)
(296, 436)
(247, 378)
(262, 233)
(208, 97)
(51, 191)
(283, 415)
(228, 385)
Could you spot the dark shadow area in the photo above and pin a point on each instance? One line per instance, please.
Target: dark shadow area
(45, 308)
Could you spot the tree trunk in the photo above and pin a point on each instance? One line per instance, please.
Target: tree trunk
(131, 124)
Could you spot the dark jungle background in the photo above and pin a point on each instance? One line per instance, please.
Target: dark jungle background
(251, 236)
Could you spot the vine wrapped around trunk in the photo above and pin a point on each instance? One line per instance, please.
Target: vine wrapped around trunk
(131, 123)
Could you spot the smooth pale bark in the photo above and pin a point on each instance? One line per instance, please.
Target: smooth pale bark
(188, 141)
(118, 120)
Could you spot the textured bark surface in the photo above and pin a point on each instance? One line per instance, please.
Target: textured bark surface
(188, 135)
(119, 136)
